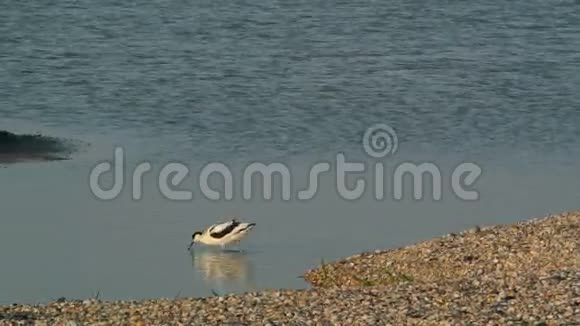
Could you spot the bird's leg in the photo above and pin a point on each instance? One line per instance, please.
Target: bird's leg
(238, 245)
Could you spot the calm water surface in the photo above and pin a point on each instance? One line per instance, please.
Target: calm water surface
(494, 83)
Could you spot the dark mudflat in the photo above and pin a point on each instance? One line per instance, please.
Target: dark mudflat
(16, 148)
(6, 158)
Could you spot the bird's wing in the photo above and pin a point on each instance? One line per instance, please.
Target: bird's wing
(222, 229)
(219, 227)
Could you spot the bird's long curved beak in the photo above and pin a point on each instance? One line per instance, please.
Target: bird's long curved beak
(190, 245)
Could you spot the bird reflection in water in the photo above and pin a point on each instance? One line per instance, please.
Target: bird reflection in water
(224, 271)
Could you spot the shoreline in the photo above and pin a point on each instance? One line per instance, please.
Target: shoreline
(522, 273)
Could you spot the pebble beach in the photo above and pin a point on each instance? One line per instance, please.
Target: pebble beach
(527, 273)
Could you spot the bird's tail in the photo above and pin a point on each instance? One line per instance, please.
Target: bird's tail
(246, 227)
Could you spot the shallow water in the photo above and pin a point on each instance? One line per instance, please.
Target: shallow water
(490, 83)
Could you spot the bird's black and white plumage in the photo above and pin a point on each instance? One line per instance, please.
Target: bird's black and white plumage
(222, 233)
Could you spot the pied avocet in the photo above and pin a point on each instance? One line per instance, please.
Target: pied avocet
(221, 234)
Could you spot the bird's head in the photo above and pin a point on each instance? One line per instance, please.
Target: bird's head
(194, 238)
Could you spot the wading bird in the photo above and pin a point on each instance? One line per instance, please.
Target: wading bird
(221, 234)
